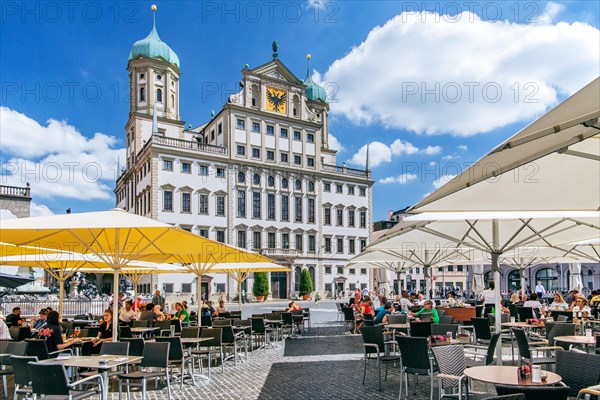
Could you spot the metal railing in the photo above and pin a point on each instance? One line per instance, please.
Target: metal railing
(188, 144)
(337, 169)
(71, 307)
(15, 191)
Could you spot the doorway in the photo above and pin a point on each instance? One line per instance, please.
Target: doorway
(279, 285)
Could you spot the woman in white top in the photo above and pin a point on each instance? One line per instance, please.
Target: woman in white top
(533, 303)
(580, 308)
(559, 304)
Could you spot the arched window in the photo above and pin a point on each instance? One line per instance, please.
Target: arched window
(297, 273)
(254, 93)
(311, 186)
(298, 184)
(256, 179)
(487, 277)
(271, 181)
(514, 280)
(159, 95)
(548, 277)
(142, 76)
(284, 183)
(241, 177)
(172, 100)
(296, 106)
(142, 94)
(311, 271)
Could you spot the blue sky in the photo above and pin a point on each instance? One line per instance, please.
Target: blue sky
(399, 75)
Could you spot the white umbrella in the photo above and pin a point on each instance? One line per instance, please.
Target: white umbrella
(575, 281)
(478, 284)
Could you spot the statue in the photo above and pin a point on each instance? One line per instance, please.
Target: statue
(74, 285)
(275, 47)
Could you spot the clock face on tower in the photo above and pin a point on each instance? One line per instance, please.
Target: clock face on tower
(276, 100)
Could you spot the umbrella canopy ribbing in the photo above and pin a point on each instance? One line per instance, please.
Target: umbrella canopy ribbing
(13, 281)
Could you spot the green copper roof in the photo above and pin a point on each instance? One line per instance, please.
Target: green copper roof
(313, 91)
(151, 46)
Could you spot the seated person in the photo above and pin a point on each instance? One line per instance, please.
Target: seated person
(15, 318)
(580, 308)
(452, 302)
(382, 316)
(428, 308)
(534, 303)
(105, 331)
(383, 301)
(182, 314)
(221, 308)
(149, 314)
(52, 333)
(293, 306)
(127, 314)
(559, 304)
(42, 320)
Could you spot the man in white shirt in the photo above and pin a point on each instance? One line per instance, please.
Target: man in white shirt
(489, 298)
(126, 314)
(540, 290)
(534, 303)
(405, 303)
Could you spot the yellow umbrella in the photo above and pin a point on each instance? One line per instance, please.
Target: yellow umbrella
(118, 238)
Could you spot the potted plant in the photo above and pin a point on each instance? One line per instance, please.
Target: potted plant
(261, 286)
(305, 284)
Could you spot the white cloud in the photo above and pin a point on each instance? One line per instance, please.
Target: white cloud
(442, 180)
(39, 210)
(7, 214)
(335, 144)
(550, 13)
(56, 159)
(380, 153)
(401, 179)
(450, 157)
(465, 61)
(463, 147)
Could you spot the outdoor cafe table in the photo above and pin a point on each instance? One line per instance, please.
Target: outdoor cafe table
(583, 340)
(394, 327)
(507, 375)
(140, 330)
(93, 362)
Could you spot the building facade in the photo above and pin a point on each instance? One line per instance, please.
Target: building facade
(260, 174)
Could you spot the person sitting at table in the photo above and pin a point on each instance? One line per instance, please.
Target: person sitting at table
(221, 308)
(559, 304)
(382, 316)
(367, 307)
(382, 302)
(514, 298)
(182, 314)
(572, 297)
(580, 308)
(52, 333)
(105, 331)
(452, 302)
(534, 303)
(149, 314)
(137, 305)
(15, 318)
(42, 320)
(160, 315)
(293, 306)
(208, 309)
(126, 314)
(428, 308)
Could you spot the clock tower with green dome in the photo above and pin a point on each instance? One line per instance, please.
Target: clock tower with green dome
(153, 88)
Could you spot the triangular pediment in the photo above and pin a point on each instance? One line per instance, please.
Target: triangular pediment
(276, 70)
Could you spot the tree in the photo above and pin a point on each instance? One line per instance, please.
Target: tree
(305, 283)
(261, 284)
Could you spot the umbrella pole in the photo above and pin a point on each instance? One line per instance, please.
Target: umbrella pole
(239, 282)
(115, 309)
(61, 295)
(496, 268)
(199, 292)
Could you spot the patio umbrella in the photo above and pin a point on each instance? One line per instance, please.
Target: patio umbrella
(116, 237)
(575, 281)
(13, 281)
(551, 165)
(478, 284)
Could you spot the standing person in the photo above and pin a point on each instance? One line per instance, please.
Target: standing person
(157, 299)
(489, 298)
(317, 298)
(4, 332)
(53, 334)
(540, 290)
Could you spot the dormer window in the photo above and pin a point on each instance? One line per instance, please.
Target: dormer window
(142, 94)
(159, 95)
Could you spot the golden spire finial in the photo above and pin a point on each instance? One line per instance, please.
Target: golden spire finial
(153, 7)
(308, 56)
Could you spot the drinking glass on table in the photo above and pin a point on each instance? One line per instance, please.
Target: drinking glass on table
(77, 331)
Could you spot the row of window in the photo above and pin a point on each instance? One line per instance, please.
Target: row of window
(270, 156)
(284, 210)
(340, 270)
(339, 188)
(270, 130)
(339, 217)
(285, 183)
(186, 203)
(186, 168)
(256, 242)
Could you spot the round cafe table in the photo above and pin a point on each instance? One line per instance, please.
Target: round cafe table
(507, 375)
(588, 340)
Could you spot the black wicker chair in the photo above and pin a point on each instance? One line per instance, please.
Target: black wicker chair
(569, 365)
(536, 393)
(525, 351)
(51, 381)
(420, 329)
(208, 347)
(22, 376)
(155, 356)
(374, 347)
(37, 348)
(483, 333)
(415, 361)
(474, 358)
